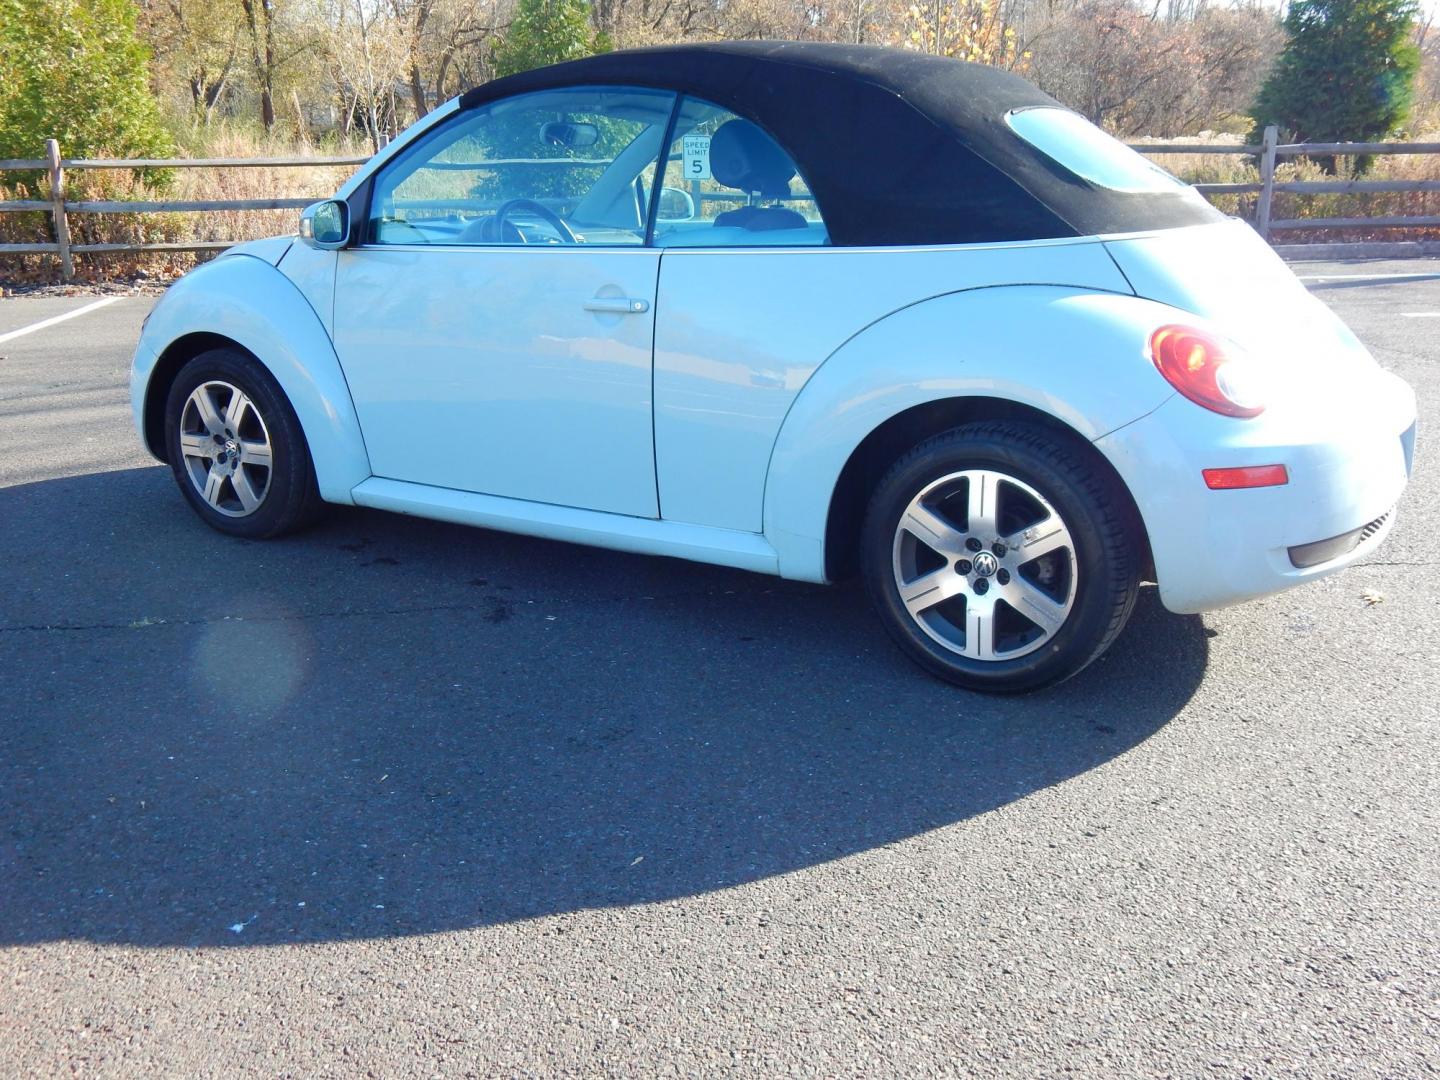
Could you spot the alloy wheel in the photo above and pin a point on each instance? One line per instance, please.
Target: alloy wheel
(226, 448)
(985, 565)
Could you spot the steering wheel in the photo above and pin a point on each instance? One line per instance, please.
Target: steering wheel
(530, 206)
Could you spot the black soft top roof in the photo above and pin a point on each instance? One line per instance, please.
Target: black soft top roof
(899, 147)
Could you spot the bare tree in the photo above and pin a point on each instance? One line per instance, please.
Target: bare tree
(1139, 72)
(1153, 67)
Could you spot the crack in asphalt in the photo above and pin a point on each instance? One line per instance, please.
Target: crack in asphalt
(494, 609)
(147, 622)
(1362, 565)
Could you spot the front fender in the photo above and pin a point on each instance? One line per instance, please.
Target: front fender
(1080, 356)
(245, 299)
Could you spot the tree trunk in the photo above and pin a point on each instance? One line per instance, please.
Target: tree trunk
(444, 69)
(260, 19)
(418, 97)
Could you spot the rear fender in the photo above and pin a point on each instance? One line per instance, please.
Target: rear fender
(1078, 356)
(248, 301)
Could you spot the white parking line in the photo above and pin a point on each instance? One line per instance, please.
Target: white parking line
(1420, 314)
(43, 323)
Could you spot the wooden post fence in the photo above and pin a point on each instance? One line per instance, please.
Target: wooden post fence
(1267, 181)
(57, 209)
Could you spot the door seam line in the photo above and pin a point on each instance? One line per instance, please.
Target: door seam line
(654, 403)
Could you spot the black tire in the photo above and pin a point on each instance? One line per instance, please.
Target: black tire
(1096, 573)
(288, 496)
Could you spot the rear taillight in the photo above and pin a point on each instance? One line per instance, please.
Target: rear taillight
(1208, 371)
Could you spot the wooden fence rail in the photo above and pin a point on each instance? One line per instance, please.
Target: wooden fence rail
(1268, 153)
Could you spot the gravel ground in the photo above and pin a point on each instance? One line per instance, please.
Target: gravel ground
(17, 291)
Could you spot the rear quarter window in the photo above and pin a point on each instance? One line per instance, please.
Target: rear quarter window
(1080, 147)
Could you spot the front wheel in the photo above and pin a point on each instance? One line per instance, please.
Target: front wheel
(236, 447)
(1000, 557)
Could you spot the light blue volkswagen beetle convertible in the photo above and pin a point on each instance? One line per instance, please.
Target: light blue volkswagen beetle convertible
(805, 310)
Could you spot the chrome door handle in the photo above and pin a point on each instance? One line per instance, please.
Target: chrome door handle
(618, 305)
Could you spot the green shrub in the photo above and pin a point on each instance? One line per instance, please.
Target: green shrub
(547, 32)
(73, 70)
(1347, 72)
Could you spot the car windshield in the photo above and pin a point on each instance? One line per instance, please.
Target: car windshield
(1079, 146)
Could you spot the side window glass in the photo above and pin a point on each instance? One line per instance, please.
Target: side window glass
(727, 183)
(570, 166)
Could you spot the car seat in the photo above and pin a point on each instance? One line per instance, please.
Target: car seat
(742, 156)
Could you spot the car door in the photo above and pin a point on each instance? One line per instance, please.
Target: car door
(752, 299)
(495, 323)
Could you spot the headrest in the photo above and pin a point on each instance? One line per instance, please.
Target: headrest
(742, 156)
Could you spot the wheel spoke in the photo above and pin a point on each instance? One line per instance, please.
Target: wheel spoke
(235, 411)
(205, 406)
(979, 629)
(255, 453)
(1040, 539)
(1034, 604)
(196, 445)
(932, 530)
(981, 505)
(213, 483)
(934, 588)
(244, 490)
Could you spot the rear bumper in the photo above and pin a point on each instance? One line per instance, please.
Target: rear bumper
(1348, 464)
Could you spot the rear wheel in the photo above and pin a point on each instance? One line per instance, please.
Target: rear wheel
(236, 447)
(999, 557)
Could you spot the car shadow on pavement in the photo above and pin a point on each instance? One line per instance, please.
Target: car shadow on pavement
(388, 726)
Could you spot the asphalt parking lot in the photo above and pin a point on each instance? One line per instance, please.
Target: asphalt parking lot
(399, 798)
